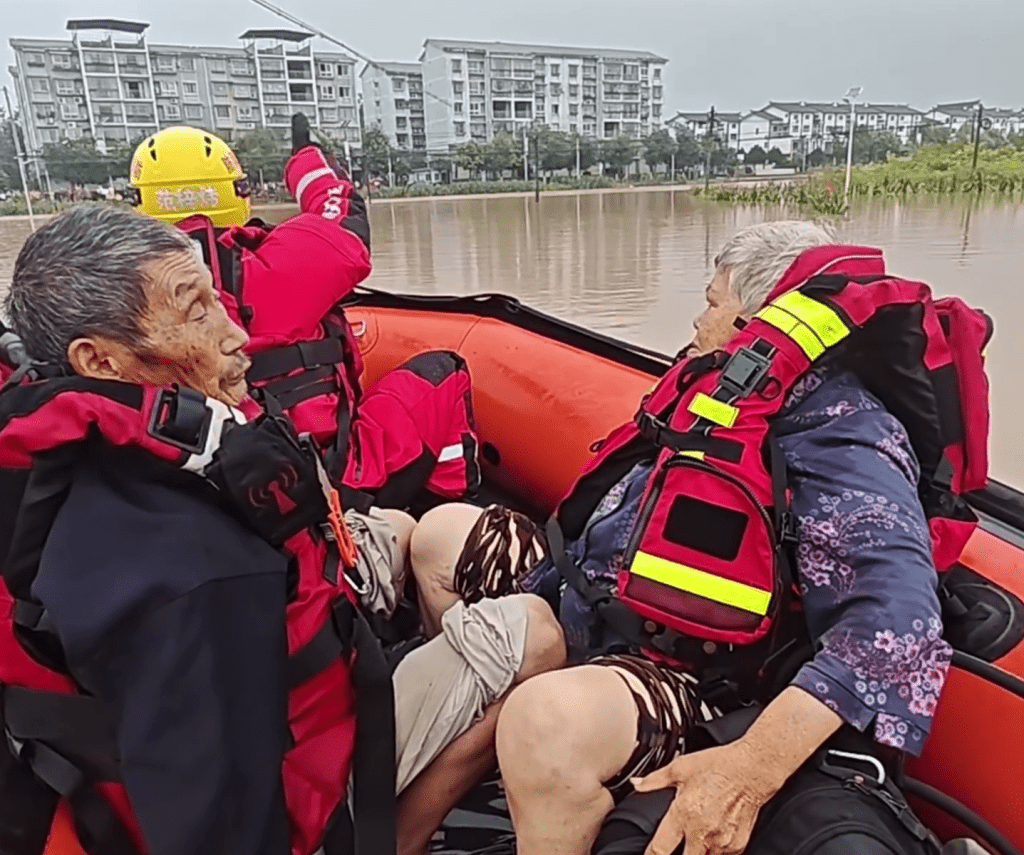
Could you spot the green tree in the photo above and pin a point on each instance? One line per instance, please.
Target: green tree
(376, 151)
(77, 162)
(470, 156)
(776, 158)
(503, 152)
(659, 148)
(934, 135)
(9, 177)
(874, 146)
(262, 154)
(688, 150)
(618, 153)
(589, 152)
(756, 156)
(557, 150)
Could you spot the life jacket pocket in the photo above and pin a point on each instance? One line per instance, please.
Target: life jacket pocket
(702, 556)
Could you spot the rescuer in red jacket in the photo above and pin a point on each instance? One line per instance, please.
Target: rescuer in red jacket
(414, 429)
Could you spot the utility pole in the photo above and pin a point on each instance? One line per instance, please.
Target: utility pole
(673, 167)
(851, 96)
(526, 155)
(977, 137)
(708, 141)
(21, 162)
(577, 155)
(536, 166)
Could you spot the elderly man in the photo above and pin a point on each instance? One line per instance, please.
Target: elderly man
(574, 743)
(160, 603)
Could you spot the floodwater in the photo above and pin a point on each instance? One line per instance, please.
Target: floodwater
(634, 264)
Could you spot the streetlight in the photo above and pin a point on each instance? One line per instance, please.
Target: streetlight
(852, 94)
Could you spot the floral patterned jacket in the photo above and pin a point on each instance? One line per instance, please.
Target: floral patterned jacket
(864, 561)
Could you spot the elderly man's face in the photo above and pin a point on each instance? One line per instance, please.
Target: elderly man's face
(190, 340)
(715, 326)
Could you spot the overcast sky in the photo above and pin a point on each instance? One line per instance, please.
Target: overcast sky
(735, 54)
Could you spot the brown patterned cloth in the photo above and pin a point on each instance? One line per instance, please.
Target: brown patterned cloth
(500, 549)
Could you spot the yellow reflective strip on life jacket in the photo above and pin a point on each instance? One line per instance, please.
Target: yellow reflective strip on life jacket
(714, 411)
(825, 323)
(795, 328)
(699, 455)
(701, 583)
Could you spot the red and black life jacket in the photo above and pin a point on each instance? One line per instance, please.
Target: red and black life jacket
(339, 683)
(706, 563)
(316, 380)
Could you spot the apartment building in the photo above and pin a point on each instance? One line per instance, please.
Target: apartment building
(393, 99)
(727, 126)
(474, 90)
(955, 116)
(109, 83)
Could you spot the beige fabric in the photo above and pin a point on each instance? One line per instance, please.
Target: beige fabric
(380, 560)
(443, 687)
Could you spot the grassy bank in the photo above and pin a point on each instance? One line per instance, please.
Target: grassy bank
(941, 169)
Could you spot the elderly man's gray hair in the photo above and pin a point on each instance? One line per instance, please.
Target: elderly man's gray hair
(82, 274)
(758, 255)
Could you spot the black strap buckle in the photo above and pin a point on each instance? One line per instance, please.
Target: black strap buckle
(744, 371)
(181, 418)
(789, 536)
(650, 426)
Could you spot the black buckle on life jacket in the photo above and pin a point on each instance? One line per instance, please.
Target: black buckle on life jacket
(788, 534)
(744, 371)
(181, 418)
(717, 689)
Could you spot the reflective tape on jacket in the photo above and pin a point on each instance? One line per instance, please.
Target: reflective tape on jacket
(810, 323)
(714, 411)
(700, 582)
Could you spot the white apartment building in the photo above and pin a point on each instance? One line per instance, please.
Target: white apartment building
(393, 99)
(108, 83)
(727, 126)
(955, 116)
(474, 90)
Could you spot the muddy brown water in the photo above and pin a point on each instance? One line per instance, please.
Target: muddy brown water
(635, 264)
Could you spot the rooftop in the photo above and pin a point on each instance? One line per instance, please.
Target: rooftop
(396, 67)
(282, 35)
(546, 50)
(702, 116)
(107, 24)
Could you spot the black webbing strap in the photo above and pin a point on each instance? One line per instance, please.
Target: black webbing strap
(373, 763)
(305, 354)
(76, 724)
(654, 429)
(324, 387)
(101, 831)
(785, 525)
(286, 385)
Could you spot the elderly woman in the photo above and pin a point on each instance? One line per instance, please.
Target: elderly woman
(571, 743)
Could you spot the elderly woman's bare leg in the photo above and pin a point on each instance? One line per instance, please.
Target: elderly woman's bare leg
(435, 547)
(560, 736)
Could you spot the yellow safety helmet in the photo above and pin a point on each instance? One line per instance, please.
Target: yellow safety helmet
(182, 171)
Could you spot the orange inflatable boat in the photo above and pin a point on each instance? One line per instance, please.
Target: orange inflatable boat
(545, 390)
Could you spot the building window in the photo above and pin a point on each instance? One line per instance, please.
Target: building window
(67, 87)
(657, 74)
(398, 84)
(194, 112)
(524, 110)
(327, 92)
(456, 66)
(656, 112)
(574, 91)
(460, 129)
(187, 63)
(241, 66)
(656, 92)
(325, 69)
(457, 87)
(166, 64)
(344, 92)
(35, 59)
(222, 111)
(166, 88)
(342, 70)
(458, 108)
(242, 90)
(476, 108)
(220, 90)
(170, 112)
(501, 109)
(402, 140)
(401, 122)
(39, 85)
(244, 114)
(574, 109)
(275, 91)
(61, 60)
(476, 66)
(46, 115)
(554, 110)
(190, 89)
(556, 71)
(218, 66)
(134, 89)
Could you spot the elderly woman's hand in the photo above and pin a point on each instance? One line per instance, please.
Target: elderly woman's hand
(720, 791)
(718, 795)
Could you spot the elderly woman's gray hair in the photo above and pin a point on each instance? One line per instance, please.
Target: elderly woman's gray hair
(757, 256)
(82, 274)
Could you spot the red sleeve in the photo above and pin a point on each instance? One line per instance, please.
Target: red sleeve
(297, 274)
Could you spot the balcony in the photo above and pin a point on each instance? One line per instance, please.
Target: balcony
(299, 71)
(99, 67)
(108, 118)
